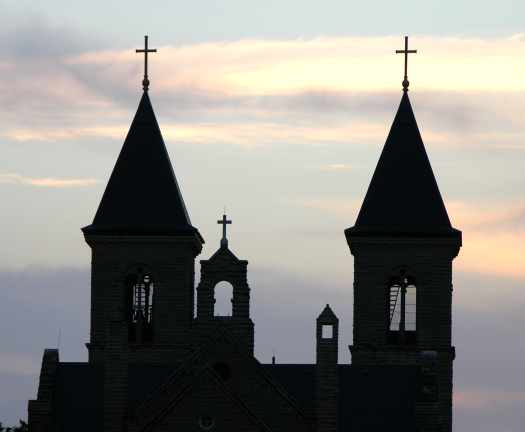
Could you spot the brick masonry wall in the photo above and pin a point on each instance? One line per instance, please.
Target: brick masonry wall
(225, 266)
(327, 378)
(169, 260)
(429, 261)
(40, 410)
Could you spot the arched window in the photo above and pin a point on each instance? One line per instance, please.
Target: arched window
(139, 306)
(402, 313)
(223, 296)
(142, 298)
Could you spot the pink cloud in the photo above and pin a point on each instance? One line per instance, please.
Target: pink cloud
(482, 399)
(46, 182)
(267, 87)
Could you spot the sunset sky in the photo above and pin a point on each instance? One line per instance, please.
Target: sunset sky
(278, 111)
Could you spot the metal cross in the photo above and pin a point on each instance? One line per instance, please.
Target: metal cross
(145, 81)
(224, 221)
(406, 51)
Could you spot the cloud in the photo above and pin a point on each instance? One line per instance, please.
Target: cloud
(64, 134)
(18, 364)
(486, 398)
(322, 74)
(343, 208)
(335, 167)
(500, 253)
(350, 63)
(493, 237)
(480, 217)
(46, 182)
(34, 37)
(252, 92)
(493, 234)
(250, 134)
(37, 302)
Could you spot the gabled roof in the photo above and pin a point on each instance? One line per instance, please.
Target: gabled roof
(223, 254)
(372, 398)
(244, 375)
(403, 197)
(205, 384)
(327, 315)
(142, 195)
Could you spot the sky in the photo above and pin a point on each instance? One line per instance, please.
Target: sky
(277, 111)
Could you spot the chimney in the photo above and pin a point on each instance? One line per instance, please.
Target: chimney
(326, 365)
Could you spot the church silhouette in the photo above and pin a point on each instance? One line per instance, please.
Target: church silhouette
(156, 366)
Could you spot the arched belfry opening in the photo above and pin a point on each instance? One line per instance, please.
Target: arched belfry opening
(223, 293)
(223, 299)
(402, 309)
(139, 289)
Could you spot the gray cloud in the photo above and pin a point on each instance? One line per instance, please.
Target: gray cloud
(34, 39)
(488, 339)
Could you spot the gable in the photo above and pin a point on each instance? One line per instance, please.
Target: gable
(205, 403)
(241, 377)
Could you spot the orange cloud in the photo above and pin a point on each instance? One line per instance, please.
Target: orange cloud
(258, 67)
(493, 237)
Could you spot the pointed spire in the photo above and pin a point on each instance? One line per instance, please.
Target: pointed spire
(403, 197)
(142, 195)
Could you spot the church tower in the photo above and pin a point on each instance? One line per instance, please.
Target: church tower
(403, 246)
(142, 267)
(143, 251)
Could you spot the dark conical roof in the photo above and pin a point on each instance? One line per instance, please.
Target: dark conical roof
(403, 197)
(142, 195)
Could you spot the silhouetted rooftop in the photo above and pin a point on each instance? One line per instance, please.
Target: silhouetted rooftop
(79, 397)
(327, 314)
(370, 398)
(403, 197)
(142, 195)
(374, 398)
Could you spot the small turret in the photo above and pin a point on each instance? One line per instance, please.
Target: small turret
(327, 336)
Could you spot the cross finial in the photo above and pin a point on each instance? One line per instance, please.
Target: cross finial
(224, 221)
(145, 81)
(406, 51)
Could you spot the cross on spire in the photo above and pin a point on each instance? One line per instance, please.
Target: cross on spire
(145, 81)
(224, 221)
(406, 51)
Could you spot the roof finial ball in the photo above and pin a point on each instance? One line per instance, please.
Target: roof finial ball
(406, 51)
(146, 50)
